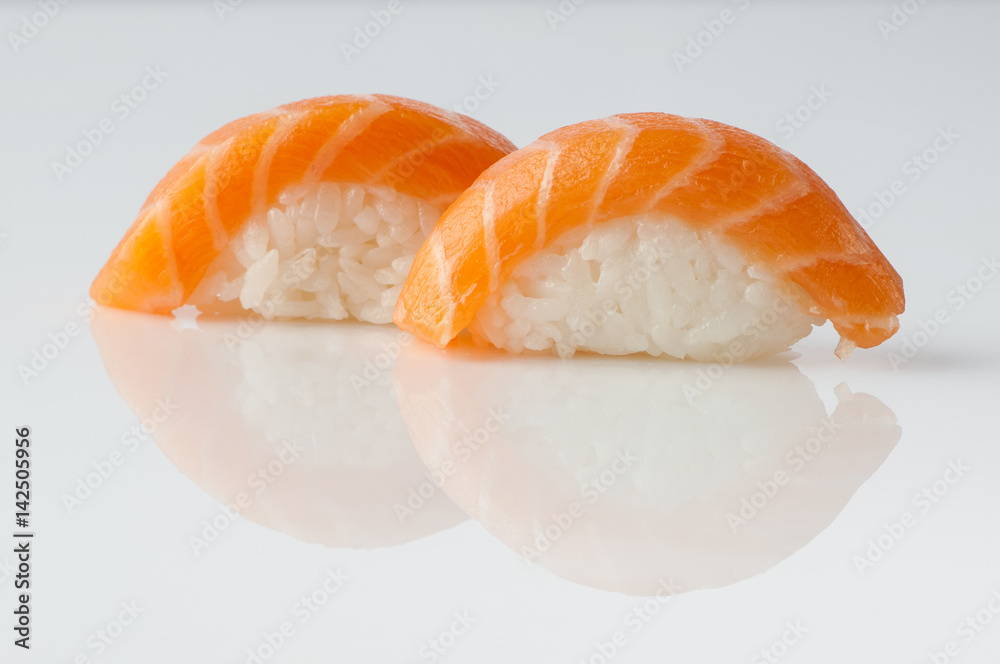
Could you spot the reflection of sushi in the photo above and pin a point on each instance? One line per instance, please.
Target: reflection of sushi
(650, 233)
(283, 422)
(622, 474)
(314, 209)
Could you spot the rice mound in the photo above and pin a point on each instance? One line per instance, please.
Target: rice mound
(643, 284)
(333, 251)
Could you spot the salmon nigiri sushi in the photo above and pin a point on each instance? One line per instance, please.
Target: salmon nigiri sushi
(650, 233)
(314, 209)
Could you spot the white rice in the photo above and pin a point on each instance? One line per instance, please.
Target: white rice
(334, 251)
(643, 284)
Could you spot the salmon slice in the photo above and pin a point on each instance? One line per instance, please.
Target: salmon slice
(714, 178)
(239, 172)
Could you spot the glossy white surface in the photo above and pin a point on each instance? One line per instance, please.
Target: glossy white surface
(333, 508)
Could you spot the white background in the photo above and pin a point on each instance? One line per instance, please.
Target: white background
(129, 541)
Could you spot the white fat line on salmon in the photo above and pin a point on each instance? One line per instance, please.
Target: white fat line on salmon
(895, 530)
(824, 435)
(32, 24)
(217, 178)
(260, 480)
(561, 521)
(563, 11)
(283, 129)
(349, 129)
(396, 172)
(958, 297)
(406, 165)
(710, 153)
(700, 42)
(121, 108)
(898, 17)
(463, 449)
(445, 272)
(544, 193)
(912, 169)
(491, 243)
(968, 629)
(365, 33)
(795, 119)
(624, 146)
(87, 485)
(304, 608)
(605, 650)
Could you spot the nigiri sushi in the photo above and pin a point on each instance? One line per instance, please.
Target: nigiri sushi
(650, 233)
(314, 209)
